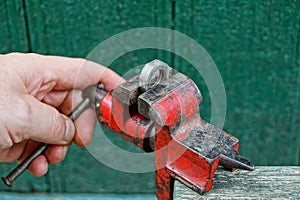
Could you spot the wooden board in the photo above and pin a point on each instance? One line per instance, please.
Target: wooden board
(73, 28)
(77, 196)
(255, 45)
(13, 32)
(262, 183)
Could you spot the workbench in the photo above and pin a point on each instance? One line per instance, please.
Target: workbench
(262, 183)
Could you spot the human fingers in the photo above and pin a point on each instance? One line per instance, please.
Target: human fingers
(56, 153)
(39, 166)
(14, 153)
(53, 154)
(55, 98)
(85, 122)
(68, 73)
(85, 125)
(39, 122)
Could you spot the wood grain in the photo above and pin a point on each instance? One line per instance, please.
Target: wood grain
(73, 28)
(255, 44)
(262, 183)
(77, 196)
(13, 32)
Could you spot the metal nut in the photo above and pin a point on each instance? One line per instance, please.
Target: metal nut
(153, 73)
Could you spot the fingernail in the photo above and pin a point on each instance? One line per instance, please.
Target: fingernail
(65, 149)
(70, 129)
(45, 168)
(42, 170)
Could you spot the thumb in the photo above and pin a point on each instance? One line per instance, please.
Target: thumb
(46, 124)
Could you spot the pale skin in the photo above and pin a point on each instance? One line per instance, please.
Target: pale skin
(33, 88)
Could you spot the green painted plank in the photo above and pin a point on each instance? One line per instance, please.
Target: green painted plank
(48, 196)
(74, 28)
(256, 48)
(13, 36)
(254, 44)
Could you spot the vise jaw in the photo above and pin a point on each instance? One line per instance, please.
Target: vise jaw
(158, 110)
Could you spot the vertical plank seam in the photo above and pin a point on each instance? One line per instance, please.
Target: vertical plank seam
(296, 107)
(7, 17)
(27, 32)
(156, 13)
(173, 27)
(193, 18)
(25, 6)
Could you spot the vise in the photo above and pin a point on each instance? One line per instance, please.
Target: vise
(159, 111)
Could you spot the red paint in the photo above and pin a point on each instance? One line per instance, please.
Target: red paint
(179, 105)
(164, 181)
(116, 116)
(179, 110)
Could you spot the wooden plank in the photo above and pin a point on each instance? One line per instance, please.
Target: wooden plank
(255, 44)
(13, 36)
(256, 48)
(262, 183)
(73, 28)
(78, 196)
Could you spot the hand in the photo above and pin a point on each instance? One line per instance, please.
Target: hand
(32, 86)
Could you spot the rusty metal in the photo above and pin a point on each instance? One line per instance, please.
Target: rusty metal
(16, 172)
(22, 167)
(154, 73)
(161, 113)
(158, 111)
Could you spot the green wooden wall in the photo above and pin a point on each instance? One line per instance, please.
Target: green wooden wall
(255, 44)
